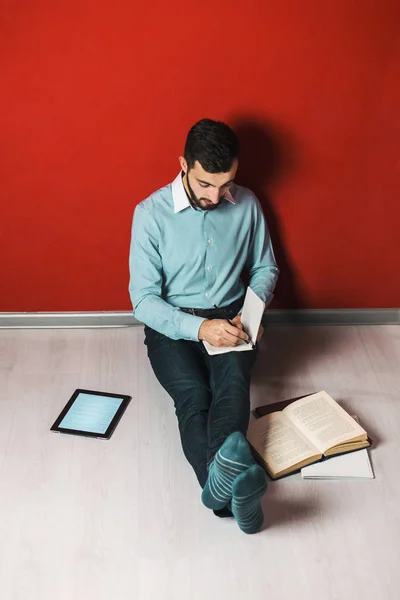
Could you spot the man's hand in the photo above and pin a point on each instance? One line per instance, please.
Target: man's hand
(238, 323)
(219, 333)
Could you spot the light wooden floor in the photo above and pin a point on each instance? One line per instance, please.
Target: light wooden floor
(84, 519)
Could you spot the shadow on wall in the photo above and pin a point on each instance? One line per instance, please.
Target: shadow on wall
(267, 155)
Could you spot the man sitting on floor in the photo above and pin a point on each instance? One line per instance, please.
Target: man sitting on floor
(191, 241)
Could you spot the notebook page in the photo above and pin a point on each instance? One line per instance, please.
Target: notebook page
(253, 310)
(353, 465)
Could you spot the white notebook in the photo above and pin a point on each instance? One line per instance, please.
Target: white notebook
(253, 310)
(354, 465)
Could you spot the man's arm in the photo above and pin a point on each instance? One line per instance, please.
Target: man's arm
(145, 266)
(260, 263)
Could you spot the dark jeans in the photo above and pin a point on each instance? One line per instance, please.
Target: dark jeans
(211, 393)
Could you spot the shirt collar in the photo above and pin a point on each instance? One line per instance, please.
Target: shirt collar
(180, 198)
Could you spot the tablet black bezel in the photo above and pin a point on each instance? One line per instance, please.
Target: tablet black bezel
(110, 430)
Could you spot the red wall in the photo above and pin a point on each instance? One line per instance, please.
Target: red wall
(96, 99)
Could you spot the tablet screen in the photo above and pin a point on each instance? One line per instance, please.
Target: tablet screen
(91, 413)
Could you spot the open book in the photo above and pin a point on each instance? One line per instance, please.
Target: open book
(305, 431)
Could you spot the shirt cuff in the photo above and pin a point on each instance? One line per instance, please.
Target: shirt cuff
(190, 326)
(268, 299)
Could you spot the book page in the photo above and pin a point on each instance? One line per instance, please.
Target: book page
(253, 310)
(278, 442)
(323, 421)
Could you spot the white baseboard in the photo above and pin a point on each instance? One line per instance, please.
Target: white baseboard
(59, 320)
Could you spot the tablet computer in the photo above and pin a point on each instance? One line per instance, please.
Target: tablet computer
(91, 413)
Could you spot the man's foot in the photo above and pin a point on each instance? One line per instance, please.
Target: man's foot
(247, 491)
(232, 459)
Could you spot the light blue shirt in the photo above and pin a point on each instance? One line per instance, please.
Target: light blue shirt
(183, 257)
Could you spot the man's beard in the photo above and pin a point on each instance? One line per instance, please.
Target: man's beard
(196, 201)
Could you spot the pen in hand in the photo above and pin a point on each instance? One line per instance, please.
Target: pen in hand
(224, 314)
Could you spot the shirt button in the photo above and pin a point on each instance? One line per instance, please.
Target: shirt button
(208, 268)
(209, 241)
(206, 294)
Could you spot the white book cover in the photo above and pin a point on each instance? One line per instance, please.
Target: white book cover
(354, 465)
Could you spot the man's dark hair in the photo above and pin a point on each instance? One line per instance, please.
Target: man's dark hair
(213, 144)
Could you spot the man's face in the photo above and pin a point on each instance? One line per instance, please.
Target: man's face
(207, 189)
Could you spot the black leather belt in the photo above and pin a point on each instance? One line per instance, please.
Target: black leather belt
(209, 313)
(200, 312)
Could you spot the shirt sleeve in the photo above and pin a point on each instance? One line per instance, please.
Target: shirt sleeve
(261, 263)
(145, 284)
